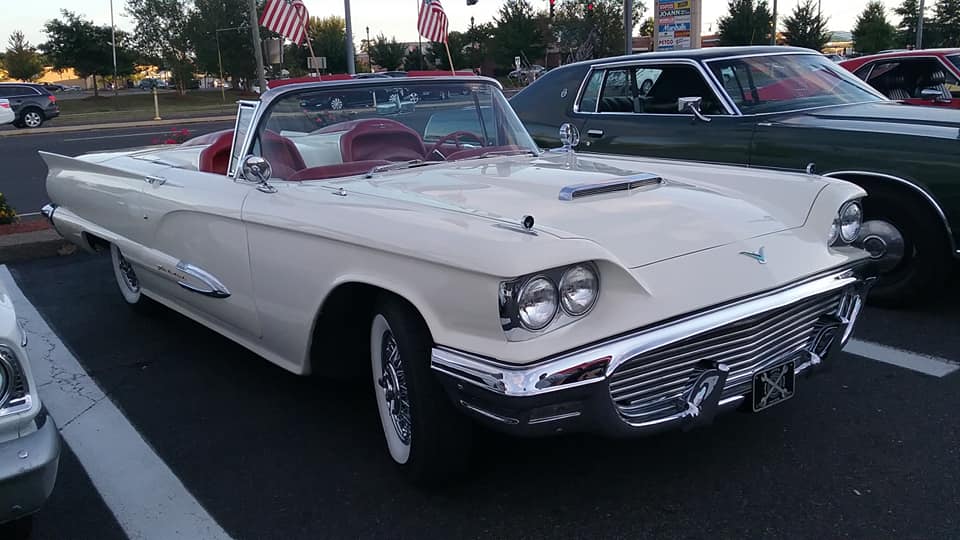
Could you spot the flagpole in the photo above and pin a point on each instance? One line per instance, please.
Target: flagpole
(306, 28)
(446, 43)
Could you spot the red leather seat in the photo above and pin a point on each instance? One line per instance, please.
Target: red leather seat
(381, 139)
(337, 171)
(214, 158)
(282, 154)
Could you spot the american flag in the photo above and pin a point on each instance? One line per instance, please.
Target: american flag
(433, 22)
(287, 18)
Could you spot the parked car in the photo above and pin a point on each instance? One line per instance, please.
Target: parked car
(777, 108)
(471, 275)
(6, 112)
(32, 103)
(54, 87)
(29, 440)
(921, 77)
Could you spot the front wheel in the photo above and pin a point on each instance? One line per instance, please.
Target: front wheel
(922, 263)
(128, 282)
(425, 436)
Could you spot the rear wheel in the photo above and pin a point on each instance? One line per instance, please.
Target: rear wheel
(425, 436)
(925, 265)
(32, 118)
(128, 283)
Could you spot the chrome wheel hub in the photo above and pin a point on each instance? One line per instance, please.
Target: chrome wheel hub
(884, 242)
(129, 275)
(31, 119)
(394, 384)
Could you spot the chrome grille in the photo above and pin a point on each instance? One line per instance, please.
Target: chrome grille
(649, 386)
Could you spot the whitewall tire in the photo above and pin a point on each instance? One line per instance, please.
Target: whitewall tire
(128, 282)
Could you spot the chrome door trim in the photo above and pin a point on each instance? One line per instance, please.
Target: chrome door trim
(718, 92)
(211, 286)
(918, 189)
(234, 172)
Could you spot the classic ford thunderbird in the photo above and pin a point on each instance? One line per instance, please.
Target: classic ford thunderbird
(474, 275)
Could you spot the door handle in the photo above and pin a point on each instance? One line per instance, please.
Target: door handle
(155, 180)
(595, 133)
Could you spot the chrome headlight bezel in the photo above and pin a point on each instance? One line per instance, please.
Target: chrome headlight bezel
(515, 327)
(534, 286)
(594, 291)
(856, 221)
(15, 392)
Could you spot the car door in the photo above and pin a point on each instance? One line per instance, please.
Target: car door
(634, 108)
(194, 222)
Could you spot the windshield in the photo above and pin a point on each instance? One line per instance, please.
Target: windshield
(778, 83)
(337, 131)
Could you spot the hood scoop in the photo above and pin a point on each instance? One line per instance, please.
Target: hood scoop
(628, 183)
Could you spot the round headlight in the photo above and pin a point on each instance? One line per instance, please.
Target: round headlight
(851, 217)
(834, 232)
(537, 303)
(578, 290)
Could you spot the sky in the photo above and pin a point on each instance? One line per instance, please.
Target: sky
(391, 17)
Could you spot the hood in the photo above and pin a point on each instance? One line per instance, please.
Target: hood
(886, 117)
(695, 207)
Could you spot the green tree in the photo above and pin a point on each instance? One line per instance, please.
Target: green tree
(21, 61)
(516, 33)
(909, 12)
(75, 42)
(947, 15)
(162, 36)
(414, 60)
(595, 34)
(458, 43)
(236, 50)
(873, 32)
(747, 22)
(387, 54)
(806, 27)
(647, 28)
(479, 44)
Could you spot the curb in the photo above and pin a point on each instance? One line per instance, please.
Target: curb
(21, 247)
(116, 125)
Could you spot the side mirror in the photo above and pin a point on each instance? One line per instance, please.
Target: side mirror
(692, 105)
(256, 169)
(932, 94)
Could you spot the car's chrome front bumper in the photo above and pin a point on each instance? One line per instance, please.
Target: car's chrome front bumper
(28, 469)
(590, 389)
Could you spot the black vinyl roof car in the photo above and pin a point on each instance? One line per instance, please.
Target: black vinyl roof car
(32, 103)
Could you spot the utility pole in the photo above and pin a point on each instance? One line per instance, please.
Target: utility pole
(257, 49)
(113, 42)
(628, 26)
(920, 26)
(351, 65)
(773, 37)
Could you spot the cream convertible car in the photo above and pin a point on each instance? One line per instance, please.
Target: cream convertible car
(476, 275)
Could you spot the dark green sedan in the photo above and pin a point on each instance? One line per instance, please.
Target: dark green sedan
(780, 108)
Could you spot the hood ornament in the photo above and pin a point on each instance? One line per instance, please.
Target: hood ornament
(759, 256)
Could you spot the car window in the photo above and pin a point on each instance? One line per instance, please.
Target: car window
(646, 78)
(591, 94)
(907, 78)
(5, 91)
(778, 83)
(660, 87)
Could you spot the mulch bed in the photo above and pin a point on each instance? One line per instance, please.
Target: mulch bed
(25, 227)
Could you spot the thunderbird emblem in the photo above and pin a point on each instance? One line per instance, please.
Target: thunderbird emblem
(759, 256)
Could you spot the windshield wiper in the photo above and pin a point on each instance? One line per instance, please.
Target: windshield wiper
(395, 166)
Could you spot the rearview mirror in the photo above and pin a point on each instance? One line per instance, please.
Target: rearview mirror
(692, 105)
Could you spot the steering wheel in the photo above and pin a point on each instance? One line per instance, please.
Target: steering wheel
(455, 138)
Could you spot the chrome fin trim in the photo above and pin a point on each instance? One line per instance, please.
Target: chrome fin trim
(210, 285)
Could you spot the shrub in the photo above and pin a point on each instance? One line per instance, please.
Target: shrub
(7, 213)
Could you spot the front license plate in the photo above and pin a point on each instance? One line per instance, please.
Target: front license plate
(773, 386)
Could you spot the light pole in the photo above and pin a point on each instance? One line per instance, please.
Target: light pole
(628, 26)
(351, 65)
(257, 50)
(920, 26)
(369, 63)
(113, 42)
(773, 37)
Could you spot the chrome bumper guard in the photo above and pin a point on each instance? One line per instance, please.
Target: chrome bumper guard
(577, 391)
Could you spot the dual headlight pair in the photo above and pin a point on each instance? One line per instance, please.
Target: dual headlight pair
(846, 226)
(554, 297)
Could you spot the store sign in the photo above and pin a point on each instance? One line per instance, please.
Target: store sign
(674, 24)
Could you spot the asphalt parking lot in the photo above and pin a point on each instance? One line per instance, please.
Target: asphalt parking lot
(867, 449)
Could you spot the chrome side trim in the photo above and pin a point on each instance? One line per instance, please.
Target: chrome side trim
(595, 363)
(483, 412)
(48, 210)
(569, 193)
(211, 286)
(918, 189)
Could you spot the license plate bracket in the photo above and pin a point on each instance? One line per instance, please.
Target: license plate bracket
(773, 385)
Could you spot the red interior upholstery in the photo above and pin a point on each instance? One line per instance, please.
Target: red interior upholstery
(336, 171)
(216, 157)
(282, 154)
(381, 139)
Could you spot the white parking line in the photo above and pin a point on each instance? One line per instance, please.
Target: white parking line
(929, 365)
(147, 498)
